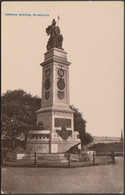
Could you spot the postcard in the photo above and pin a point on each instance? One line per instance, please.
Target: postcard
(62, 97)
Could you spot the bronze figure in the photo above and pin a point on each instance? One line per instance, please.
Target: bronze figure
(56, 38)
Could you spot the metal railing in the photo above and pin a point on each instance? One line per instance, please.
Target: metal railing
(65, 159)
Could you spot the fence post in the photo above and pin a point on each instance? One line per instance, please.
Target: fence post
(34, 158)
(2, 159)
(113, 156)
(69, 160)
(93, 158)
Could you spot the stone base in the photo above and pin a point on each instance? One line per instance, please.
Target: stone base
(46, 141)
(62, 147)
(55, 147)
(38, 148)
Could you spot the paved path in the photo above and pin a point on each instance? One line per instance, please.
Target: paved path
(98, 179)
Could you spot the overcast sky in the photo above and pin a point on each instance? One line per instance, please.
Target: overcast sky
(93, 39)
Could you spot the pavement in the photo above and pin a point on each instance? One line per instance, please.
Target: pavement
(95, 179)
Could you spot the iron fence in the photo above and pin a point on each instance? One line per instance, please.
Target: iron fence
(60, 160)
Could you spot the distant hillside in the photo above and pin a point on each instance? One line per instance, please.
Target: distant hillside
(105, 139)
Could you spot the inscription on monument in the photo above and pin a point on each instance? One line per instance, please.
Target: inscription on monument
(61, 122)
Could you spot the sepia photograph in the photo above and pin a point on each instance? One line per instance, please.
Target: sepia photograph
(62, 97)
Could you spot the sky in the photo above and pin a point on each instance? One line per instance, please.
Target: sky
(93, 39)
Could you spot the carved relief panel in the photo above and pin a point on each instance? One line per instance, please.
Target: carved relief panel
(47, 86)
(61, 84)
(47, 83)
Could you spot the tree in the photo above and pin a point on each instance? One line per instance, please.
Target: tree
(86, 138)
(18, 114)
(80, 126)
(79, 122)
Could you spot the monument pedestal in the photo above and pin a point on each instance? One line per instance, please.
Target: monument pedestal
(55, 114)
(44, 141)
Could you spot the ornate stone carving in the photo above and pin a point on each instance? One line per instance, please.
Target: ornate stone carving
(40, 125)
(61, 95)
(63, 133)
(61, 84)
(47, 95)
(61, 72)
(47, 72)
(47, 83)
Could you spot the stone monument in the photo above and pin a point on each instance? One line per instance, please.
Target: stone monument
(55, 118)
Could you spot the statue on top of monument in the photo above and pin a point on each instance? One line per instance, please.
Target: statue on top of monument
(56, 38)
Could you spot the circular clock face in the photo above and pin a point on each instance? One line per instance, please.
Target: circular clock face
(61, 84)
(61, 72)
(47, 84)
(47, 72)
